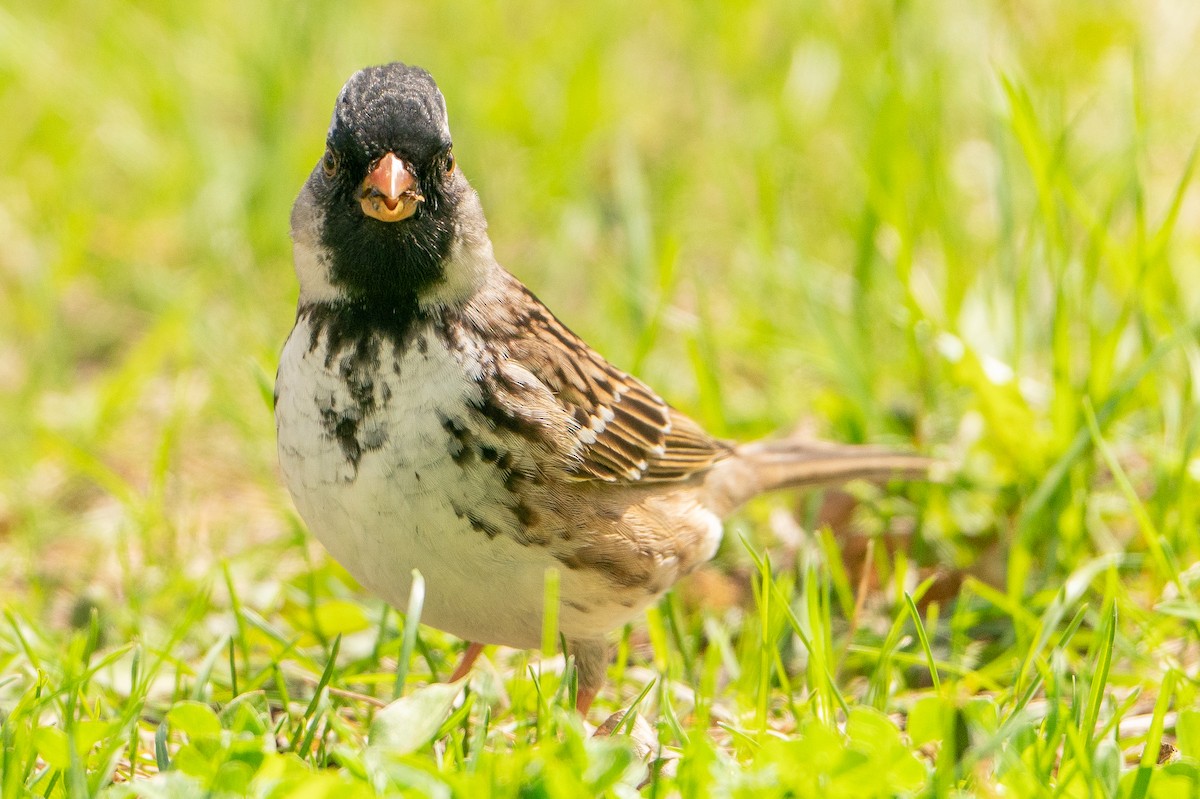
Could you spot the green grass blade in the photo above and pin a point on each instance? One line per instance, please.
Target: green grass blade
(924, 639)
(412, 620)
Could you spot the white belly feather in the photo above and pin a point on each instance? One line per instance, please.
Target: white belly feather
(394, 510)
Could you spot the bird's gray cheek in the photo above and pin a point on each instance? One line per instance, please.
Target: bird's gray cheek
(306, 219)
(313, 264)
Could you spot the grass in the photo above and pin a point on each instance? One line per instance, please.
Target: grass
(965, 228)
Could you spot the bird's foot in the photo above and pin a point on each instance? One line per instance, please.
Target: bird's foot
(468, 660)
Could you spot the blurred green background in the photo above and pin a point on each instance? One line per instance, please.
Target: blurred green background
(952, 226)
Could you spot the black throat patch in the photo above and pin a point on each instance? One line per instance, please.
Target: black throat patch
(386, 261)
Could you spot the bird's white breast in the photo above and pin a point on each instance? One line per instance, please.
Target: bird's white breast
(369, 462)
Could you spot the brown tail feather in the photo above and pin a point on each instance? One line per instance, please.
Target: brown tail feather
(792, 463)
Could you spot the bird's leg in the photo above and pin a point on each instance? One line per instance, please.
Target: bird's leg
(468, 660)
(591, 670)
(583, 699)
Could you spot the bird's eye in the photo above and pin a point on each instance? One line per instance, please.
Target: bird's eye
(329, 162)
(449, 161)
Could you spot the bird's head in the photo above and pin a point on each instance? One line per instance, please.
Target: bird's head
(380, 213)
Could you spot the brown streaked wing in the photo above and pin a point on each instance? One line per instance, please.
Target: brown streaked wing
(626, 432)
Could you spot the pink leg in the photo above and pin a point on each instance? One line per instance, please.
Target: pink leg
(583, 699)
(468, 660)
(591, 668)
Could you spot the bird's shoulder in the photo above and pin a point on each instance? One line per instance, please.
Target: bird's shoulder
(600, 422)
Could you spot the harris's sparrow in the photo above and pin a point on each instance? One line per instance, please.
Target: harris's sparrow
(433, 414)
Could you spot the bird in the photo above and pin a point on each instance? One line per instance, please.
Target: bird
(433, 415)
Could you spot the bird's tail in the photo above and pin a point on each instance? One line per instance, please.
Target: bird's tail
(794, 462)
